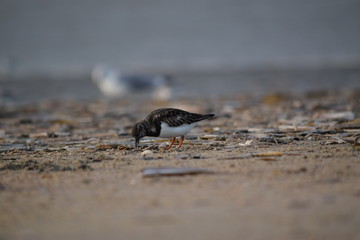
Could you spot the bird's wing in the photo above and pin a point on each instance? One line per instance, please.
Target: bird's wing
(176, 117)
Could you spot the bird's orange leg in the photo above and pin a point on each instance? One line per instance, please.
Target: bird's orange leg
(172, 142)
(181, 141)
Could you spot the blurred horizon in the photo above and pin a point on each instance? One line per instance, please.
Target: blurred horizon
(70, 37)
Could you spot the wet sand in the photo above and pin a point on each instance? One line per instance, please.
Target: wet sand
(283, 167)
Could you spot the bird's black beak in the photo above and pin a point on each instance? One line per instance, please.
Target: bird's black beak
(137, 143)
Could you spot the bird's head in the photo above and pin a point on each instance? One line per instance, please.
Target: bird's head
(138, 132)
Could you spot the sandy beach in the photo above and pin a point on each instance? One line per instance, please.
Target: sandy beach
(281, 167)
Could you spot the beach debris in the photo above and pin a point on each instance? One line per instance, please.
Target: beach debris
(163, 145)
(147, 155)
(335, 141)
(213, 137)
(2, 133)
(295, 127)
(216, 129)
(268, 154)
(106, 146)
(11, 147)
(320, 132)
(351, 125)
(173, 171)
(123, 147)
(247, 143)
(62, 134)
(339, 116)
(33, 165)
(247, 129)
(212, 130)
(357, 141)
(181, 156)
(275, 140)
(86, 167)
(117, 146)
(268, 159)
(297, 170)
(188, 156)
(39, 135)
(264, 155)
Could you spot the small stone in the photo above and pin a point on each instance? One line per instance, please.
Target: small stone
(340, 116)
(208, 137)
(105, 146)
(62, 134)
(268, 159)
(32, 141)
(123, 133)
(335, 141)
(93, 140)
(213, 137)
(85, 166)
(173, 171)
(247, 143)
(268, 154)
(191, 137)
(2, 133)
(147, 155)
(163, 145)
(357, 141)
(182, 156)
(38, 135)
(122, 147)
(230, 147)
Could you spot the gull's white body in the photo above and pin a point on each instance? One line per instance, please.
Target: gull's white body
(114, 84)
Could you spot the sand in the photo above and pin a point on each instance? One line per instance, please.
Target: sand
(283, 167)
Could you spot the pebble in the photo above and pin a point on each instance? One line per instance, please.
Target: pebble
(62, 134)
(93, 140)
(213, 137)
(147, 155)
(357, 141)
(11, 147)
(2, 133)
(247, 143)
(335, 141)
(346, 115)
(231, 147)
(268, 154)
(37, 135)
(163, 145)
(182, 156)
(173, 171)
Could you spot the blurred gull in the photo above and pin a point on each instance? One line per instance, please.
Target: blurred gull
(114, 84)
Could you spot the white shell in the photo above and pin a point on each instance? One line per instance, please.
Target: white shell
(147, 155)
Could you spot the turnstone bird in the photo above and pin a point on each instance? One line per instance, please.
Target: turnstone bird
(167, 123)
(114, 84)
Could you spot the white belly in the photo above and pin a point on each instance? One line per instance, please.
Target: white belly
(170, 132)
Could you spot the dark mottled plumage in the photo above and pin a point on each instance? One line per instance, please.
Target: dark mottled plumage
(151, 125)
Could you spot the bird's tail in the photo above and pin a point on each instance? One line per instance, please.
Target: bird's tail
(206, 116)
